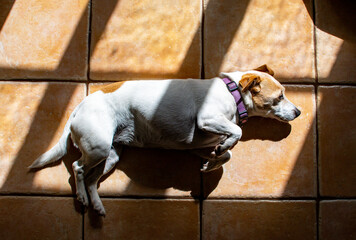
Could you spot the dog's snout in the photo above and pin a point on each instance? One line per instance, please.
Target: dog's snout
(297, 112)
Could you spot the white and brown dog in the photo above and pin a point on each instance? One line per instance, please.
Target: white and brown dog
(172, 114)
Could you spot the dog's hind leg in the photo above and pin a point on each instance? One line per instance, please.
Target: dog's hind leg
(78, 169)
(95, 149)
(96, 173)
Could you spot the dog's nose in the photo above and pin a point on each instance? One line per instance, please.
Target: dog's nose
(297, 112)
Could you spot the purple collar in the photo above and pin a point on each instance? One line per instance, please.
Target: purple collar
(234, 90)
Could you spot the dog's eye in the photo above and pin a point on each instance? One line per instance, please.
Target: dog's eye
(281, 97)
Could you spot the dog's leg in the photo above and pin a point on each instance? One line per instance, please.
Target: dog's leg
(214, 162)
(95, 148)
(217, 162)
(78, 169)
(96, 173)
(220, 125)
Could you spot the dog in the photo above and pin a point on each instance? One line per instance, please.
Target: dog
(187, 114)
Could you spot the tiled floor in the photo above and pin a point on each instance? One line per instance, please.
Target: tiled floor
(285, 181)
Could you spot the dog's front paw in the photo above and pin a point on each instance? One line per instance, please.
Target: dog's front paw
(210, 166)
(219, 150)
(216, 163)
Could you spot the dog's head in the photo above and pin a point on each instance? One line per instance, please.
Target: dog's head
(263, 94)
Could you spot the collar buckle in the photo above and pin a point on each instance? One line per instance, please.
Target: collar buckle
(232, 86)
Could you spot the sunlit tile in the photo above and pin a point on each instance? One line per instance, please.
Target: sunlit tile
(44, 39)
(335, 41)
(145, 39)
(32, 117)
(242, 35)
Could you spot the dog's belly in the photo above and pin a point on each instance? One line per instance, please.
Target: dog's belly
(195, 139)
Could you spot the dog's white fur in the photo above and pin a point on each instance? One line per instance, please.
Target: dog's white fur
(172, 114)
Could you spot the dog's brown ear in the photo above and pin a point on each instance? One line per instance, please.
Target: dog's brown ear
(266, 69)
(250, 81)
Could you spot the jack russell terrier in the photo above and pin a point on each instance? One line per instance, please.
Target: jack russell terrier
(198, 115)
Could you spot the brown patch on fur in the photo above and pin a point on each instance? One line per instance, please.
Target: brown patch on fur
(250, 81)
(266, 69)
(270, 90)
(112, 87)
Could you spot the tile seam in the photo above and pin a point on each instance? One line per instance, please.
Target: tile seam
(202, 75)
(113, 81)
(89, 45)
(317, 210)
(186, 199)
(87, 89)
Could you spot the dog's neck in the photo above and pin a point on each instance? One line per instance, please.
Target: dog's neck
(235, 90)
(246, 96)
(247, 99)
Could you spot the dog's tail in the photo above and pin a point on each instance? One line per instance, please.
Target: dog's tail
(59, 150)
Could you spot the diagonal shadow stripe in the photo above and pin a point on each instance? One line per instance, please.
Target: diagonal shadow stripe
(6, 7)
(52, 92)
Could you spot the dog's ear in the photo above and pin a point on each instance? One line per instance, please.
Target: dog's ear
(250, 81)
(266, 69)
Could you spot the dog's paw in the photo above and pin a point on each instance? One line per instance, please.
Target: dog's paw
(99, 208)
(83, 199)
(210, 166)
(218, 150)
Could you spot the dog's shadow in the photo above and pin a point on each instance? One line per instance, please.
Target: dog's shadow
(160, 169)
(265, 129)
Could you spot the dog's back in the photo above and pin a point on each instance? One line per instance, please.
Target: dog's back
(163, 113)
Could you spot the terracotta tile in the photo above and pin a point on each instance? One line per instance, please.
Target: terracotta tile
(44, 39)
(336, 41)
(337, 219)
(337, 138)
(145, 39)
(39, 218)
(273, 159)
(259, 220)
(145, 219)
(32, 117)
(242, 35)
(152, 172)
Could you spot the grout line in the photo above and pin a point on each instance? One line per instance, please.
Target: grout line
(317, 211)
(89, 45)
(202, 69)
(87, 90)
(42, 81)
(201, 219)
(113, 81)
(35, 195)
(202, 75)
(319, 84)
(83, 219)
